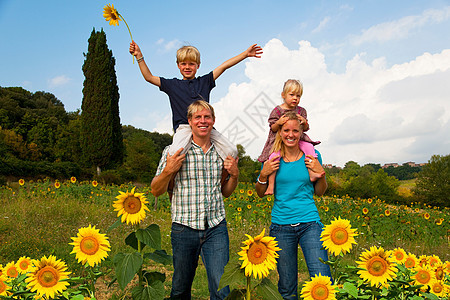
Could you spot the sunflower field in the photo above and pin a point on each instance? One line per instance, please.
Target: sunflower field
(71, 239)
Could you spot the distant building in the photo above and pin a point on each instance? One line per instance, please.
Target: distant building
(395, 165)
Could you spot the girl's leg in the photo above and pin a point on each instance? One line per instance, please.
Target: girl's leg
(271, 184)
(308, 149)
(271, 179)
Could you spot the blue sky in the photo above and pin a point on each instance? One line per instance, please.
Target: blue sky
(375, 73)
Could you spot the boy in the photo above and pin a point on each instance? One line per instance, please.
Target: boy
(184, 92)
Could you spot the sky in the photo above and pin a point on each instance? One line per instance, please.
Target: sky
(376, 74)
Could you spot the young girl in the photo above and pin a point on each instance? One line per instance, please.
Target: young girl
(292, 91)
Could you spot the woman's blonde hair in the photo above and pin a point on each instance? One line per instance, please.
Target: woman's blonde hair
(293, 85)
(188, 53)
(278, 144)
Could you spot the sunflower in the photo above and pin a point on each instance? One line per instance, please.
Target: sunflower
(249, 206)
(424, 275)
(387, 212)
(24, 265)
(73, 179)
(319, 288)
(338, 236)
(10, 270)
(423, 260)
(426, 216)
(4, 287)
(110, 14)
(94, 183)
(259, 255)
(439, 221)
(399, 255)
(249, 193)
(365, 210)
(411, 261)
(48, 278)
(131, 206)
(439, 271)
(90, 246)
(21, 181)
(239, 209)
(447, 266)
(438, 288)
(377, 266)
(434, 260)
(241, 191)
(57, 184)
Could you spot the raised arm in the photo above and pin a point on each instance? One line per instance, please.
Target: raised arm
(161, 182)
(252, 51)
(145, 71)
(230, 168)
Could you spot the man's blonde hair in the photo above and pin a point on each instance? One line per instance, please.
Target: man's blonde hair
(188, 53)
(293, 85)
(198, 106)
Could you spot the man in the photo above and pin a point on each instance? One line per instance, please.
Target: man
(201, 179)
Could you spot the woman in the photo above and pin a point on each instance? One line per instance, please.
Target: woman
(295, 219)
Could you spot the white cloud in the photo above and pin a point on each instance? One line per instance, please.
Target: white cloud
(58, 81)
(368, 113)
(167, 46)
(401, 28)
(321, 25)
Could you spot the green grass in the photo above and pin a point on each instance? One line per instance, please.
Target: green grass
(37, 219)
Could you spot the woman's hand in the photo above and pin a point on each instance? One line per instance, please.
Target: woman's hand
(313, 164)
(269, 167)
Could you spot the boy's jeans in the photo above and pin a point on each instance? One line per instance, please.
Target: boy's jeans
(187, 244)
(289, 237)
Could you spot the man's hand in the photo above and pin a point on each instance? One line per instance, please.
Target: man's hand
(231, 166)
(174, 162)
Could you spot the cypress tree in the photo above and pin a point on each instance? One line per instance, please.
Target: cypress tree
(101, 131)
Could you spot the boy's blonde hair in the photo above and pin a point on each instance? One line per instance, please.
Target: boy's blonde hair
(188, 53)
(199, 105)
(278, 144)
(293, 85)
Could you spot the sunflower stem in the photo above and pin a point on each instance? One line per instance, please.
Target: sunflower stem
(92, 283)
(140, 269)
(248, 294)
(129, 31)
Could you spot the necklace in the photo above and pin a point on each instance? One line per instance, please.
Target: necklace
(288, 160)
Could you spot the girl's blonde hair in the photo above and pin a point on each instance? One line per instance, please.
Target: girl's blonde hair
(188, 53)
(293, 85)
(278, 144)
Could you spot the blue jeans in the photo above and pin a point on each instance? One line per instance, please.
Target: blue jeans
(187, 244)
(289, 237)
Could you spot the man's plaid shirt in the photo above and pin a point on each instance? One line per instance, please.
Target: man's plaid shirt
(197, 193)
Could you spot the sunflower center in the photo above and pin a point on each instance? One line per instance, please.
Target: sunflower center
(12, 272)
(2, 286)
(24, 265)
(377, 266)
(439, 274)
(257, 253)
(437, 288)
(132, 205)
(409, 263)
(319, 292)
(89, 245)
(399, 256)
(48, 276)
(423, 277)
(339, 236)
